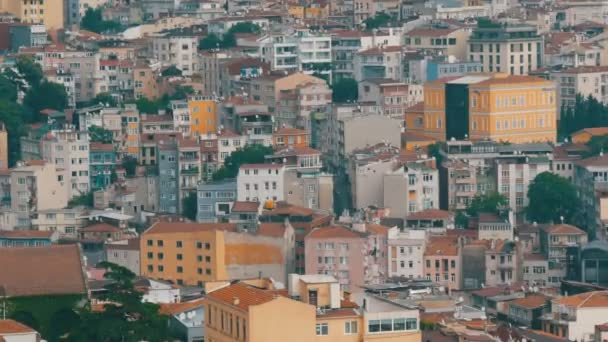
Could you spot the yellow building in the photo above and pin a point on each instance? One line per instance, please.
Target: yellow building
(203, 116)
(50, 13)
(196, 253)
(515, 109)
(318, 312)
(498, 106)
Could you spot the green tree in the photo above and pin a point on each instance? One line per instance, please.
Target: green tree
(93, 21)
(104, 99)
(13, 116)
(434, 150)
(171, 71)
(8, 89)
(130, 165)
(490, 202)
(597, 145)
(126, 318)
(381, 19)
(190, 206)
(346, 89)
(212, 41)
(147, 106)
(551, 197)
(101, 135)
(87, 199)
(29, 70)
(250, 154)
(47, 95)
(245, 27)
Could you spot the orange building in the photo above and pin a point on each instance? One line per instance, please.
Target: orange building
(443, 261)
(290, 137)
(584, 135)
(195, 253)
(498, 106)
(414, 117)
(203, 116)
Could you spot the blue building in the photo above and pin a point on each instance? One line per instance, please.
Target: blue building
(102, 163)
(215, 199)
(26, 238)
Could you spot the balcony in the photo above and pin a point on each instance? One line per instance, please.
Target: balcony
(189, 171)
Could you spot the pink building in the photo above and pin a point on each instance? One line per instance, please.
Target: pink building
(354, 256)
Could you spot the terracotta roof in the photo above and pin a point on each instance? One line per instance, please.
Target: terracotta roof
(97, 146)
(564, 229)
(510, 79)
(430, 214)
(599, 161)
(25, 234)
(175, 308)
(31, 271)
(271, 229)
(441, 246)
(157, 118)
(412, 136)
(593, 131)
(585, 300)
(242, 206)
(241, 295)
(131, 245)
(9, 326)
(585, 69)
(187, 227)
(530, 302)
(535, 257)
(338, 313)
(377, 229)
(226, 133)
(100, 228)
(333, 232)
(290, 131)
(283, 208)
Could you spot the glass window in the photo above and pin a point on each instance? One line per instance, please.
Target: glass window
(373, 326)
(322, 329)
(411, 324)
(399, 324)
(386, 325)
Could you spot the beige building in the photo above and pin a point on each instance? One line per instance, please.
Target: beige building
(47, 12)
(411, 188)
(439, 41)
(64, 221)
(34, 187)
(584, 80)
(516, 50)
(3, 148)
(266, 89)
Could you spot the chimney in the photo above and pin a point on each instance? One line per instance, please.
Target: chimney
(236, 301)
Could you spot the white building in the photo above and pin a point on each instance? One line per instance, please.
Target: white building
(181, 117)
(411, 188)
(406, 252)
(574, 318)
(178, 50)
(260, 182)
(69, 151)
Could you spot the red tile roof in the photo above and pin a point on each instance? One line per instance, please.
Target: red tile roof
(377, 229)
(175, 308)
(31, 271)
(97, 146)
(530, 302)
(241, 295)
(290, 131)
(242, 206)
(333, 232)
(430, 214)
(271, 229)
(441, 246)
(586, 300)
(283, 208)
(564, 229)
(9, 326)
(187, 227)
(100, 228)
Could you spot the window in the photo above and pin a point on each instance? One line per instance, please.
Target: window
(350, 327)
(411, 324)
(178, 244)
(150, 242)
(180, 269)
(322, 329)
(180, 257)
(399, 324)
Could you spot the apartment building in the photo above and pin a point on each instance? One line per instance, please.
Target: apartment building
(215, 200)
(494, 227)
(443, 261)
(439, 41)
(168, 164)
(290, 137)
(392, 97)
(346, 44)
(66, 79)
(50, 13)
(591, 180)
(575, 317)
(195, 253)
(513, 49)
(418, 185)
(554, 243)
(384, 62)
(514, 176)
(298, 105)
(261, 182)
(460, 179)
(583, 80)
(503, 260)
(177, 47)
(65, 222)
(189, 168)
(69, 151)
(406, 253)
(36, 186)
(145, 80)
(267, 88)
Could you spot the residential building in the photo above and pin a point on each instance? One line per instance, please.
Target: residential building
(145, 80)
(124, 253)
(392, 97)
(261, 182)
(26, 238)
(68, 150)
(194, 253)
(575, 317)
(168, 177)
(215, 200)
(384, 62)
(34, 187)
(554, 243)
(267, 88)
(535, 269)
(65, 222)
(439, 41)
(494, 227)
(433, 221)
(189, 168)
(290, 137)
(418, 185)
(513, 49)
(449, 67)
(102, 163)
(584, 81)
(49, 13)
(187, 319)
(460, 180)
(177, 47)
(529, 310)
(11, 330)
(203, 116)
(443, 261)
(406, 253)
(593, 259)
(590, 178)
(503, 261)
